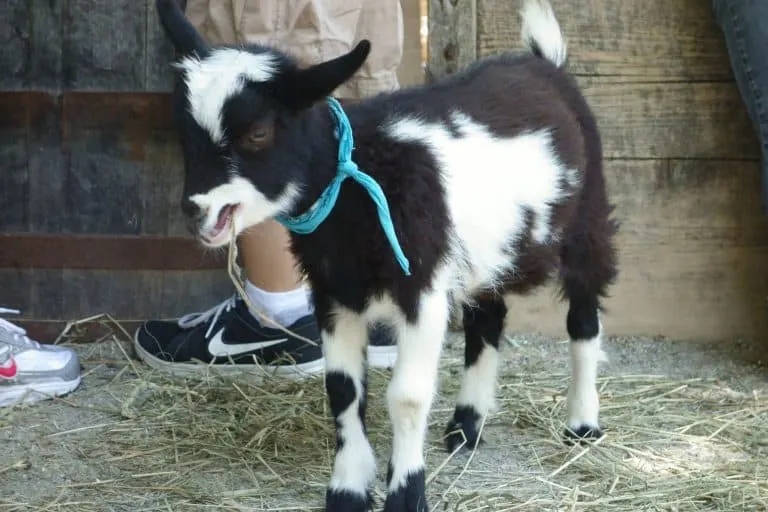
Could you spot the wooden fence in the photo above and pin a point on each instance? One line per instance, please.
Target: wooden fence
(84, 113)
(90, 166)
(682, 159)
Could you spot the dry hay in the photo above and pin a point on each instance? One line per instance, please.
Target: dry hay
(239, 443)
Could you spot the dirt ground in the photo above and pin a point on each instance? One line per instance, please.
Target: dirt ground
(129, 440)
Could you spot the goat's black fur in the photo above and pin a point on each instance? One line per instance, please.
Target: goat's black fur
(348, 259)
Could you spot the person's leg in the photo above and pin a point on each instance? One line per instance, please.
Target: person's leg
(274, 285)
(266, 258)
(745, 27)
(230, 332)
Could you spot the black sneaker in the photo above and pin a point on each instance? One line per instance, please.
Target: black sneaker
(382, 349)
(228, 333)
(231, 338)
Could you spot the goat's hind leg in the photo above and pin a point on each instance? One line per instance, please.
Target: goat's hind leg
(483, 327)
(585, 330)
(354, 468)
(589, 267)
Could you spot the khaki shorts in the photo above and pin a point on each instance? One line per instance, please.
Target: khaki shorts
(313, 31)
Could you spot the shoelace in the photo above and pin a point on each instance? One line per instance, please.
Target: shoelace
(194, 319)
(18, 334)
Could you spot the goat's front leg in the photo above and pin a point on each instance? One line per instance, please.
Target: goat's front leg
(409, 397)
(354, 469)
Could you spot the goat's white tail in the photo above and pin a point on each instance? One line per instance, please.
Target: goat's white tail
(541, 33)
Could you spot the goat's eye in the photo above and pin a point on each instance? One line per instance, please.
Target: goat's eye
(257, 135)
(256, 138)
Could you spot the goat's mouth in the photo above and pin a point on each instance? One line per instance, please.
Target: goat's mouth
(220, 231)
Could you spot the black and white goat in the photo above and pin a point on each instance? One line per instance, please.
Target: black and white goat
(495, 185)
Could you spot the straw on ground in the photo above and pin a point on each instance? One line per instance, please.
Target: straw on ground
(261, 443)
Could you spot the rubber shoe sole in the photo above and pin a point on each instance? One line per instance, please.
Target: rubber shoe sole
(381, 357)
(16, 394)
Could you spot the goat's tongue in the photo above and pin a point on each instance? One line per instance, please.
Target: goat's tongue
(223, 218)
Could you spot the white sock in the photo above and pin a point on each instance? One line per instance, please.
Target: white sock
(282, 307)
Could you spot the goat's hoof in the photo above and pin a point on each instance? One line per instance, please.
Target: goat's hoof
(462, 429)
(582, 435)
(337, 500)
(457, 434)
(410, 497)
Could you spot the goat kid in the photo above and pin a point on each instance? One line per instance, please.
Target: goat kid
(491, 184)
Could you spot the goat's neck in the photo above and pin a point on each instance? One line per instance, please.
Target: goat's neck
(318, 142)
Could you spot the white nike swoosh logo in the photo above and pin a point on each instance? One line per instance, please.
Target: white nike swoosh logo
(218, 348)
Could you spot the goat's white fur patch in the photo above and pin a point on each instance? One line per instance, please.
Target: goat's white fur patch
(478, 387)
(216, 78)
(414, 381)
(344, 350)
(355, 465)
(540, 28)
(583, 402)
(254, 206)
(514, 173)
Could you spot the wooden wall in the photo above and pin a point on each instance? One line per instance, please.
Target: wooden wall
(90, 172)
(682, 160)
(90, 168)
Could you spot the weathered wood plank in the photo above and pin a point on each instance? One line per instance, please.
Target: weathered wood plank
(14, 182)
(47, 163)
(180, 293)
(185, 292)
(159, 53)
(14, 170)
(98, 135)
(647, 119)
(45, 56)
(672, 120)
(693, 250)
(15, 37)
(14, 289)
(133, 136)
(65, 294)
(118, 133)
(30, 31)
(47, 289)
(129, 112)
(102, 188)
(104, 45)
(118, 293)
(73, 294)
(162, 184)
(452, 36)
(104, 252)
(651, 39)
(47, 331)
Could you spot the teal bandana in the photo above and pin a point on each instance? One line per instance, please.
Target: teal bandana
(317, 213)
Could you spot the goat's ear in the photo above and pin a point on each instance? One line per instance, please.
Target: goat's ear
(317, 82)
(183, 35)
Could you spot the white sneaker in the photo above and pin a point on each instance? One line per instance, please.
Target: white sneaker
(29, 371)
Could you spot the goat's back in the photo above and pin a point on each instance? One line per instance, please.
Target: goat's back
(506, 139)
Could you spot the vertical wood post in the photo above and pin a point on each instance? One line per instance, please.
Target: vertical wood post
(452, 36)
(451, 45)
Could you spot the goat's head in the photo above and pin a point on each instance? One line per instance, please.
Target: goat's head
(234, 108)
